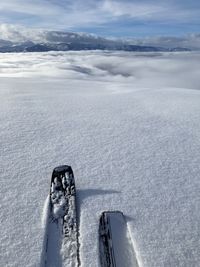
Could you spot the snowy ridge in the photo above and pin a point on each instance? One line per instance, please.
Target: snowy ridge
(45, 212)
(134, 244)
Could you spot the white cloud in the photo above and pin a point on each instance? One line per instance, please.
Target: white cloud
(191, 41)
(165, 12)
(17, 33)
(43, 8)
(134, 10)
(70, 14)
(150, 70)
(54, 14)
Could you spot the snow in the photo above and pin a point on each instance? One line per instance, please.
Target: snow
(128, 124)
(45, 212)
(58, 201)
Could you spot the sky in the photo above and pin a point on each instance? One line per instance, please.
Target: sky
(109, 18)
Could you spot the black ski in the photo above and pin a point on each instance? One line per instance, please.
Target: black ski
(115, 247)
(62, 234)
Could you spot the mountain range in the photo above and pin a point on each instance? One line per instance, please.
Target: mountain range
(68, 41)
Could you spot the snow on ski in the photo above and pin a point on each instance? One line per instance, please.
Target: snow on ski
(61, 244)
(115, 247)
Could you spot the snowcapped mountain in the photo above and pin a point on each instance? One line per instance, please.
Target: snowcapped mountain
(43, 41)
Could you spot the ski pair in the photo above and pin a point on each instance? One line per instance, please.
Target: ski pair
(115, 248)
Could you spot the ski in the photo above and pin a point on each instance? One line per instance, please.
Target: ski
(62, 234)
(115, 247)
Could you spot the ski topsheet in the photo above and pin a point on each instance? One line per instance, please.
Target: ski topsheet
(62, 235)
(115, 246)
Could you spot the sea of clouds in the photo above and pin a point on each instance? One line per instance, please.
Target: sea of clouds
(139, 69)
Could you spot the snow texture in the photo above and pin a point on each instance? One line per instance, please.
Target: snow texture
(128, 124)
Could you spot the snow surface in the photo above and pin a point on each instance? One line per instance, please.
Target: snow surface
(128, 124)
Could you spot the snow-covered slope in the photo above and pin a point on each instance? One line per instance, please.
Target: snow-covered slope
(128, 124)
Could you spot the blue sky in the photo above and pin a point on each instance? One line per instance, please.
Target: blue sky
(120, 18)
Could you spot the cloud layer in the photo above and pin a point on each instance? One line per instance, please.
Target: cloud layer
(151, 70)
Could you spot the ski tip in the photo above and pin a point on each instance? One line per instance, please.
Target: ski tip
(105, 215)
(61, 170)
(110, 212)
